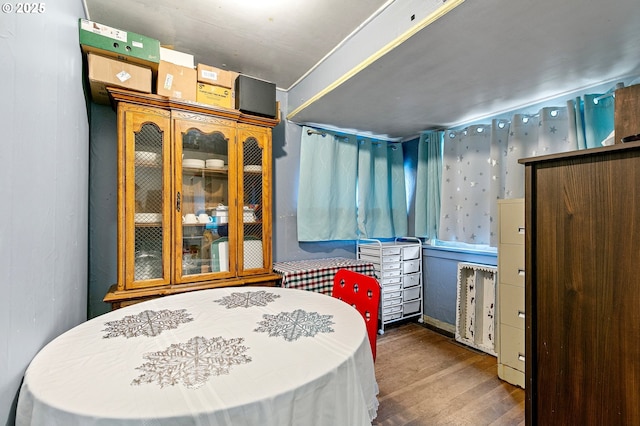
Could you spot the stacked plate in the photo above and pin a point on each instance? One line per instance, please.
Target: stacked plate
(193, 163)
(214, 163)
(147, 158)
(148, 217)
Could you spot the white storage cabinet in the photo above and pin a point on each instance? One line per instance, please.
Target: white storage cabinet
(398, 266)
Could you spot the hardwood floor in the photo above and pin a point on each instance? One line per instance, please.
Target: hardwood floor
(426, 378)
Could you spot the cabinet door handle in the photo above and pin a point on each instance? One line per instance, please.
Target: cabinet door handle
(520, 229)
(178, 201)
(520, 314)
(520, 357)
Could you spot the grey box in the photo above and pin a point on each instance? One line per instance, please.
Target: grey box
(255, 96)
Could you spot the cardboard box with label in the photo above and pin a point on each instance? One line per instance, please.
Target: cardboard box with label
(122, 45)
(176, 81)
(104, 72)
(177, 57)
(216, 76)
(214, 95)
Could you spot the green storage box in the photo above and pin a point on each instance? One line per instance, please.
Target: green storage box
(122, 45)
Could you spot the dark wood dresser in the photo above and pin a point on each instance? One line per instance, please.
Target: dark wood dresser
(582, 298)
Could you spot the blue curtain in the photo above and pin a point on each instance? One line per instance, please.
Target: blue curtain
(349, 188)
(428, 178)
(598, 118)
(327, 189)
(382, 201)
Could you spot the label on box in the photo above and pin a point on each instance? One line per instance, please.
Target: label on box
(168, 82)
(104, 30)
(123, 76)
(137, 44)
(211, 75)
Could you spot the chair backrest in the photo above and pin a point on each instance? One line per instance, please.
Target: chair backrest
(363, 293)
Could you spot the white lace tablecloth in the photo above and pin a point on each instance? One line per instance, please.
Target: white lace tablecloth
(228, 356)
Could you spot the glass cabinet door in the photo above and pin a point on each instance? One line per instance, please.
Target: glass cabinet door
(204, 237)
(255, 205)
(147, 215)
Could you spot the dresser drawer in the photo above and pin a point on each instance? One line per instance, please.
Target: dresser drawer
(512, 347)
(512, 222)
(511, 264)
(511, 305)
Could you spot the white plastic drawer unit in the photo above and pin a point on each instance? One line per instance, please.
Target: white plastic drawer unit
(410, 266)
(398, 266)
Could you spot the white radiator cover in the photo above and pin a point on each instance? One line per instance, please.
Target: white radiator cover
(476, 306)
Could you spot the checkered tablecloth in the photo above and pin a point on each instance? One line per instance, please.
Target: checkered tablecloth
(317, 274)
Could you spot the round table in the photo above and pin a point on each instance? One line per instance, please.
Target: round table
(227, 356)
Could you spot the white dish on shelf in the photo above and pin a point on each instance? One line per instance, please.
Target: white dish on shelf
(214, 163)
(147, 158)
(193, 163)
(148, 217)
(252, 168)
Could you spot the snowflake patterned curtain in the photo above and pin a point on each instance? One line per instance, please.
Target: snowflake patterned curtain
(481, 166)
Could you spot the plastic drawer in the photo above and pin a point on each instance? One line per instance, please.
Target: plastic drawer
(391, 258)
(392, 302)
(375, 249)
(411, 252)
(391, 287)
(391, 317)
(390, 266)
(411, 280)
(411, 266)
(411, 307)
(391, 273)
(391, 295)
(392, 309)
(412, 293)
(390, 280)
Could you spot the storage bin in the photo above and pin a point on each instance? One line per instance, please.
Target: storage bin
(411, 280)
(391, 295)
(412, 293)
(411, 307)
(411, 252)
(410, 266)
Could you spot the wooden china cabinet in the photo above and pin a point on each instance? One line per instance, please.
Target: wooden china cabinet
(194, 198)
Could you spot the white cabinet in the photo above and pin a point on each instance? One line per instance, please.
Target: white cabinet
(511, 313)
(398, 266)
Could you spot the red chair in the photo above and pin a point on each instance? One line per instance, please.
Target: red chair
(363, 293)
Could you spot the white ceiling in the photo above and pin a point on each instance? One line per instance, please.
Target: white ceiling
(482, 58)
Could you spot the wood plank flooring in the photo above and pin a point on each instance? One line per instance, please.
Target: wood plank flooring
(426, 378)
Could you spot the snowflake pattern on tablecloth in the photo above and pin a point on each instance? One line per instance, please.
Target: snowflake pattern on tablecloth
(296, 324)
(247, 299)
(193, 362)
(147, 323)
